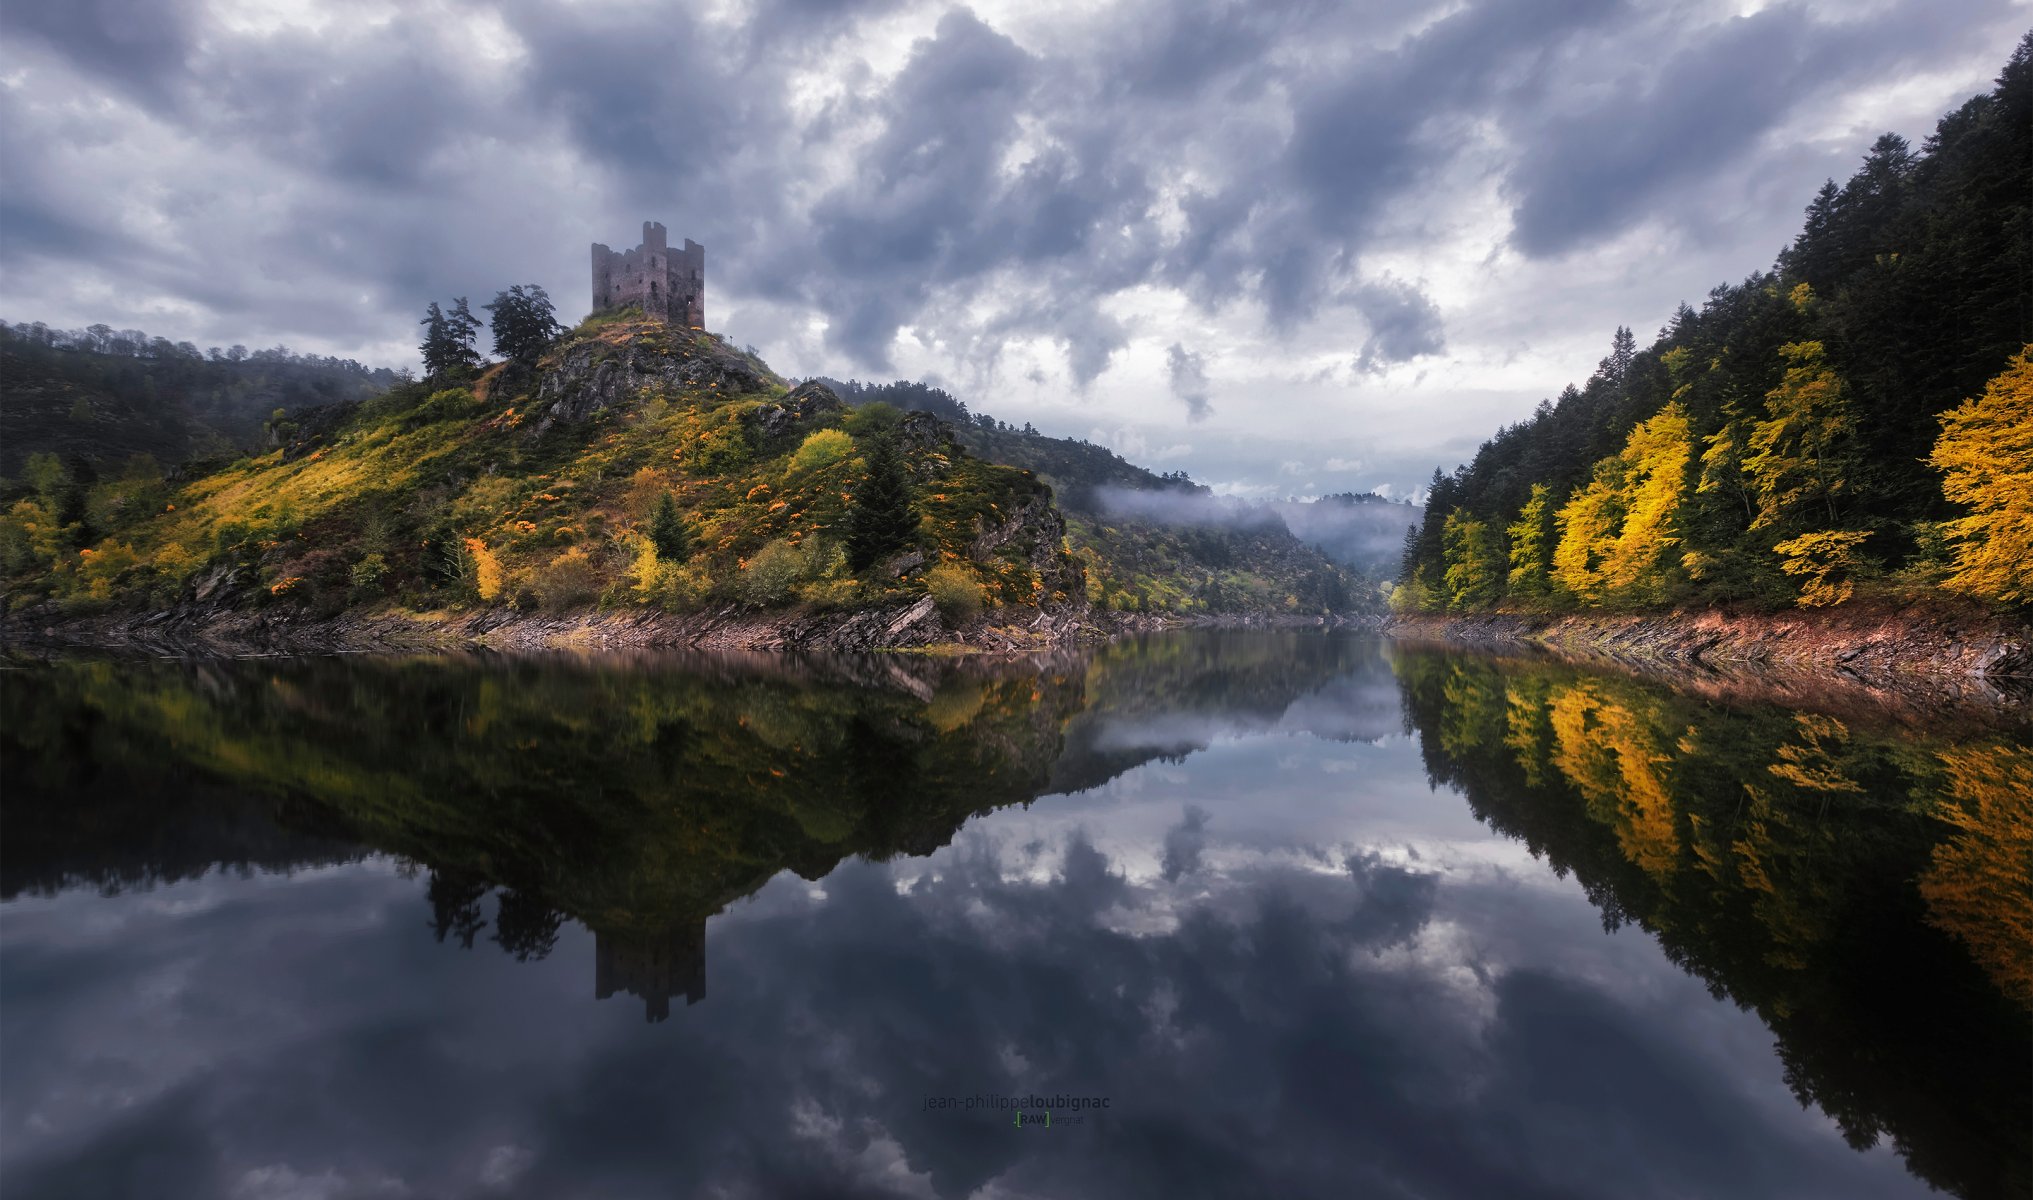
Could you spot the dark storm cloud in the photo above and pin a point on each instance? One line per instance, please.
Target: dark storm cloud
(139, 47)
(1587, 171)
(1252, 156)
(1403, 324)
(1188, 373)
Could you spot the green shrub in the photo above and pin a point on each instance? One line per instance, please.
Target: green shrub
(770, 576)
(955, 590)
(822, 449)
(369, 572)
(567, 581)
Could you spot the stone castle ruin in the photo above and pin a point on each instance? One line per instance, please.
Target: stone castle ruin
(669, 286)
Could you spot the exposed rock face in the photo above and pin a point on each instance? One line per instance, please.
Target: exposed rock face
(1035, 533)
(777, 421)
(590, 376)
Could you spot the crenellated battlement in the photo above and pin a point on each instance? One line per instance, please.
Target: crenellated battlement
(670, 286)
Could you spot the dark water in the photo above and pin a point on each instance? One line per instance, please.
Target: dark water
(1312, 915)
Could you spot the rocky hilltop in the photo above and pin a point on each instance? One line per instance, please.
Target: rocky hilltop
(638, 483)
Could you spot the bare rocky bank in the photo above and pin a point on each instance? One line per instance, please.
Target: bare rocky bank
(914, 626)
(1941, 650)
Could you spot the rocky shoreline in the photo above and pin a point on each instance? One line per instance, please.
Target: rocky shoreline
(1909, 655)
(914, 627)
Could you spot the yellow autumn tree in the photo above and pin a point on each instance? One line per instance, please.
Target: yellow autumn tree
(1615, 532)
(1531, 546)
(1827, 564)
(1655, 461)
(1722, 461)
(487, 576)
(1801, 453)
(1986, 454)
(1588, 525)
(1980, 876)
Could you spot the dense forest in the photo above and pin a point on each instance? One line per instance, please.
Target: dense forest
(98, 397)
(1856, 421)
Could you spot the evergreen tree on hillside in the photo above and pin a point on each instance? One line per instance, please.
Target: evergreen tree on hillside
(525, 324)
(667, 531)
(448, 339)
(465, 327)
(881, 521)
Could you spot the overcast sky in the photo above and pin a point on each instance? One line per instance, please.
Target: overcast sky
(1290, 246)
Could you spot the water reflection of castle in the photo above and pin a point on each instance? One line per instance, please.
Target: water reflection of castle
(653, 966)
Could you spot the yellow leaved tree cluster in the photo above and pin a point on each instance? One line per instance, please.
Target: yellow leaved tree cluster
(1768, 493)
(1986, 456)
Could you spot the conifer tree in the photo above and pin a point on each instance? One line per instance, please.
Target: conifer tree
(667, 531)
(524, 322)
(881, 521)
(448, 339)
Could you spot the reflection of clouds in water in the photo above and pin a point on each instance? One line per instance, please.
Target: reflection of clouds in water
(1267, 1023)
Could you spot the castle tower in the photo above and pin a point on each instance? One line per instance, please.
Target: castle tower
(669, 286)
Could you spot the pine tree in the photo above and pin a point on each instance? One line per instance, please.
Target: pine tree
(667, 531)
(881, 520)
(448, 339)
(464, 326)
(525, 324)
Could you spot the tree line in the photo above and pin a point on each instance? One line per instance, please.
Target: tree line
(134, 343)
(1860, 415)
(524, 324)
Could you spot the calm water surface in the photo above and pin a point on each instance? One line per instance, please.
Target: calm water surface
(1314, 916)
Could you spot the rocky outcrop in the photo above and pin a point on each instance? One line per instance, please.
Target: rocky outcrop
(779, 422)
(595, 374)
(1034, 533)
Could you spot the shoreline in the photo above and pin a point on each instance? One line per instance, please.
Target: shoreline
(914, 628)
(1911, 658)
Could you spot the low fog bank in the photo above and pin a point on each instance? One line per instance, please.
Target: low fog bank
(1361, 531)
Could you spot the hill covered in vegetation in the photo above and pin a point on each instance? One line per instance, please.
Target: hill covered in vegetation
(96, 398)
(632, 464)
(1163, 542)
(628, 465)
(1857, 421)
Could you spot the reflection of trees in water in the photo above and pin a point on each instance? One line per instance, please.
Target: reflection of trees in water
(636, 795)
(1774, 854)
(1979, 883)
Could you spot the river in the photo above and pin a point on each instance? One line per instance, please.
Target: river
(1215, 913)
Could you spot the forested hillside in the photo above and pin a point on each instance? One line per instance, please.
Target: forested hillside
(97, 397)
(1858, 420)
(1163, 542)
